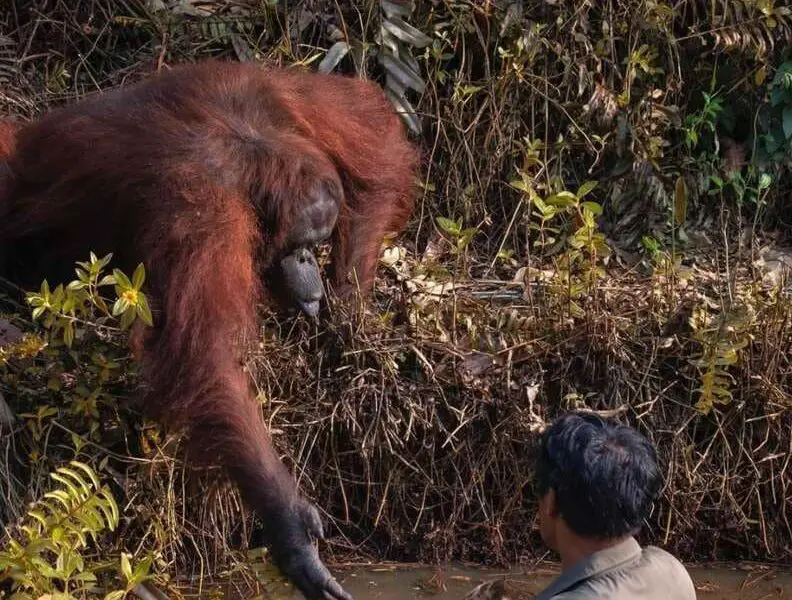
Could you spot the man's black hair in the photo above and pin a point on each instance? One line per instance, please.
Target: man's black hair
(605, 475)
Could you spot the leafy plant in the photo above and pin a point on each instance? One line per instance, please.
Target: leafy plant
(48, 553)
(703, 120)
(66, 306)
(775, 119)
(578, 252)
(47, 557)
(52, 376)
(749, 188)
(460, 236)
(666, 263)
(721, 336)
(133, 577)
(640, 61)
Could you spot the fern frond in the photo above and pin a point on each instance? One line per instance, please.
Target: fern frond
(722, 337)
(45, 556)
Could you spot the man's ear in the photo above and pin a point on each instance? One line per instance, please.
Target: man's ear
(548, 504)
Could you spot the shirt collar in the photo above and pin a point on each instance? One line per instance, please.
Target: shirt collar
(591, 565)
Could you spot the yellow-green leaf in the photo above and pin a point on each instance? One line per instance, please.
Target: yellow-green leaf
(120, 306)
(126, 566)
(594, 207)
(144, 311)
(122, 279)
(586, 188)
(139, 277)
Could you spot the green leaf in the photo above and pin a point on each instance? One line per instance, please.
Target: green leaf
(122, 280)
(126, 566)
(85, 577)
(594, 207)
(87, 470)
(651, 244)
(128, 318)
(39, 516)
(143, 310)
(139, 277)
(77, 478)
(784, 69)
(120, 306)
(562, 199)
(142, 570)
(519, 184)
(61, 497)
(74, 491)
(765, 181)
(786, 116)
(68, 334)
(68, 304)
(585, 188)
(448, 225)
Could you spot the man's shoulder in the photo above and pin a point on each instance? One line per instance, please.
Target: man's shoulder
(663, 560)
(663, 575)
(656, 575)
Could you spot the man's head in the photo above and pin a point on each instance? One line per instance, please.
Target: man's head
(596, 478)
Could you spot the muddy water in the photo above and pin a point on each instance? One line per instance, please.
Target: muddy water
(730, 582)
(404, 582)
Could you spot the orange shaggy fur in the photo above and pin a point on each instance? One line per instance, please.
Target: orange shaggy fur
(198, 173)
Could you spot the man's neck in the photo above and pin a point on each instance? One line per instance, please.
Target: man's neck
(574, 548)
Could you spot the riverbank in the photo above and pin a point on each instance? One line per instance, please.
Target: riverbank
(602, 223)
(723, 582)
(391, 581)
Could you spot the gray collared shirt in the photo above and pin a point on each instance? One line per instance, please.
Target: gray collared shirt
(623, 572)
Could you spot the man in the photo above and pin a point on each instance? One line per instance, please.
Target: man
(597, 480)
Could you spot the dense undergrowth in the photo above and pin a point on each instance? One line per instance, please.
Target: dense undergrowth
(603, 222)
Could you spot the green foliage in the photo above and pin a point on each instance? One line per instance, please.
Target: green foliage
(703, 120)
(77, 302)
(640, 63)
(600, 90)
(748, 187)
(775, 119)
(461, 236)
(50, 552)
(722, 336)
(73, 371)
(47, 554)
(666, 264)
(133, 576)
(575, 243)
